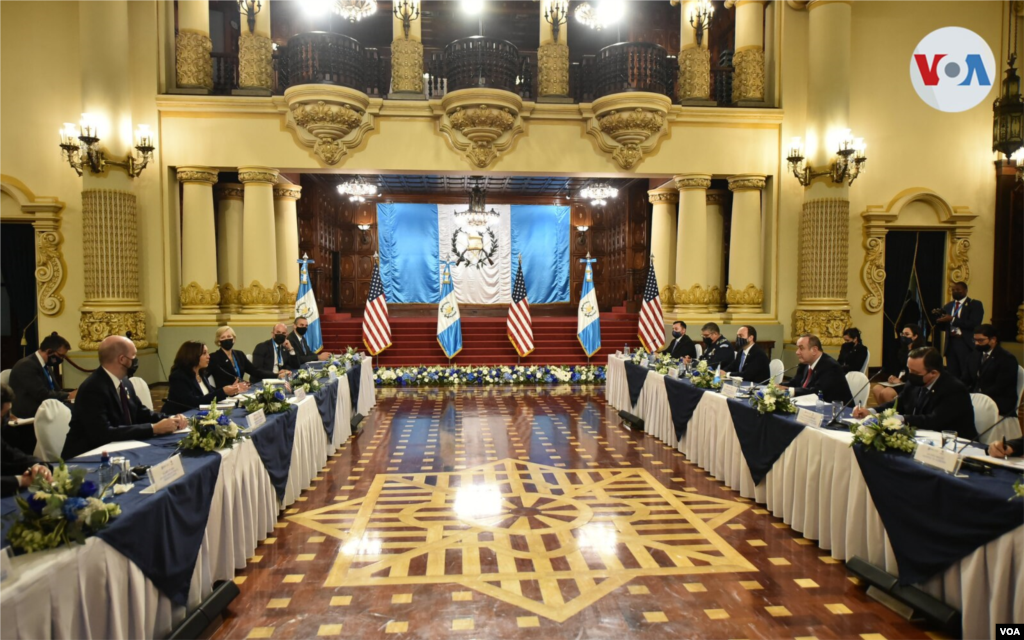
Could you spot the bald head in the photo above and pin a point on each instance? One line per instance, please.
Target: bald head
(116, 354)
(280, 328)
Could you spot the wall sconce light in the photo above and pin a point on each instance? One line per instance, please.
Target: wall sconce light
(581, 239)
(847, 165)
(555, 14)
(81, 149)
(407, 11)
(250, 8)
(364, 230)
(364, 219)
(700, 18)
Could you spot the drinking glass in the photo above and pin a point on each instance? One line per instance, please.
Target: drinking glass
(837, 409)
(949, 437)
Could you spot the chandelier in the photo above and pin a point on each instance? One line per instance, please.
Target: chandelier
(847, 164)
(477, 215)
(357, 189)
(354, 10)
(81, 148)
(601, 15)
(599, 193)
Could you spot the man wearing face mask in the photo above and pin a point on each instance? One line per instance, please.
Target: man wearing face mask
(992, 370)
(932, 398)
(681, 346)
(107, 409)
(276, 355)
(34, 380)
(958, 320)
(297, 339)
(717, 348)
(751, 362)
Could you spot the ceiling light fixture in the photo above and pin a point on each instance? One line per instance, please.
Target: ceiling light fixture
(602, 14)
(599, 193)
(357, 189)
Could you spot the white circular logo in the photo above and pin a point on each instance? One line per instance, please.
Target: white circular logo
(952, 69)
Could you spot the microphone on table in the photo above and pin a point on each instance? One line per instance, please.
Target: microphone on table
(772, 377)
(233, 374)
(978, 439)
(846, 405)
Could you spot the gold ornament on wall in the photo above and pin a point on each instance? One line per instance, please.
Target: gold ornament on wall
(714, 297)
(194, 295)
(50, 270)
(748, 296)
(553, 70)
(330, 120)
(696, 295)
(255, 62)
(694, 74)
(668, 295)
(256, 295)
(748, 77)
(873, 273)
(828, 325)
(628, 125)
(481, 123)
(959, 266)
(229, 296)
(407, 66)
(94, 326)
(193, 64)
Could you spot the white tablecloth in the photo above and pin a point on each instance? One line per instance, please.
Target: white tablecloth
(367, 398)
(817, 488)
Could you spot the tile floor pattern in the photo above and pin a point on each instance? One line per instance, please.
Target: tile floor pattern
(531, 513)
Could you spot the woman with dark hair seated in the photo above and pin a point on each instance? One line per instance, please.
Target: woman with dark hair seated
(852, 355)
(911, 338)
(189, 384)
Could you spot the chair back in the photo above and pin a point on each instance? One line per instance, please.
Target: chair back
(53, 420)
(985, 415)
(5, 376)
(867, 359)
(700, 349)
(142, 391)
(858, 383)
(777, 369)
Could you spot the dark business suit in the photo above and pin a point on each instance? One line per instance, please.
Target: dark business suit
(852, 356)
(303, 353)
(719, 354)
(13, 463)
(960, 347)
(184, 392)
(224, 372)
(996, 377)
(31, 386)
(681, 347)
(827, 377)
(945, 407)
(98, 418)
(753, 367)
(263, 357)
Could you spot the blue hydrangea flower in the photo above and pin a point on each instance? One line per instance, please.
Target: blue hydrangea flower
(71, 508)
(278, 395)
(88, 489)
(202, 414)
(223, 420)
(36, 505)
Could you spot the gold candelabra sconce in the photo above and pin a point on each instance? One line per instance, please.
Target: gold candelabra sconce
(407, 11)
(249, 8)
(845, 167)
(555, 13)
(81, 149)
(700, 18)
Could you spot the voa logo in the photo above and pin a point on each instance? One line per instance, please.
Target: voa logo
(952, 69)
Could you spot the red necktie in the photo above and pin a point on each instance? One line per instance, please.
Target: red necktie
(956, 309)
(807, 380)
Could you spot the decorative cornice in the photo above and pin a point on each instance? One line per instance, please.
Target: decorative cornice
(230, 191)
(628, 125)
(197, 174)
(258, 175)
(746, 182)
(663, 195)
(481, 123)
(288, 191)
(716, 197)
(692, 181)
(331, 120)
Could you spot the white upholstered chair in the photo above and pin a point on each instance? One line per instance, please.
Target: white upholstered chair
(53, 419)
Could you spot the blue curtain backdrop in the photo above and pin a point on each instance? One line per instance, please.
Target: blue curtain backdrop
(408, 239)
(541, 234)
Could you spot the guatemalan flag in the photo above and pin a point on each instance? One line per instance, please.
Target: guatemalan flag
(449, 322)
(305, 307)
(588, 324)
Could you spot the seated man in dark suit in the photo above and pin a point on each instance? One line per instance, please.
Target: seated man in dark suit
(818, 373)
(297, 338)
(276, 355)
(681, 345)
(957, 320)
(17, 468)
(751, 362)
(992, 370)
(717, 348)
(33, 380)
(107, 409)
(932, 398)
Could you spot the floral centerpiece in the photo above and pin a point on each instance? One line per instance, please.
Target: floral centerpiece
(883, 431)
(639, 356)
(270, 399)
(441, 376)
(1018, 489)
(340, 361)
(773, 399)
(63, 510)
(209, 431)
(704, 377)
(307, 380)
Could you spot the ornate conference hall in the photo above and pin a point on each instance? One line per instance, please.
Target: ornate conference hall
(511, 319)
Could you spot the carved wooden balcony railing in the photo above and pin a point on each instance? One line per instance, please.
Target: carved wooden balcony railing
(225, 72)
(331, 58)
(480, 62)
(631, 66)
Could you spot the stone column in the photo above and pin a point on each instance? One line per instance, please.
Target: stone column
(406, 60)
(261, 292)
(256, 55)
(193, 65)
(200, 293)
(823, 307)
(663, 239)
(748, 59)
(745, 292)
(716, 200)
(691, 295)
(286, 226)
(229, 245)
(109, 208)
(694, 85)
(553, 58)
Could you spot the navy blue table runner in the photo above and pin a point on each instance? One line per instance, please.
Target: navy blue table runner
(354, 376)
(763, 437)
(635, 378)
(683, 399)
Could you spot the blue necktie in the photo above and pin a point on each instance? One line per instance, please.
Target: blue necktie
(743, 358)
(279, 360)
(49, 378)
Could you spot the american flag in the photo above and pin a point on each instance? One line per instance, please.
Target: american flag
(376, 330)
(652, 321)
(520, 324)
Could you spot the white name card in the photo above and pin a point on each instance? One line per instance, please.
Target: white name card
(255, 419)
(300, 395)
(809, 418)
(332, 376)
(729, 391)
(163, 474)
(673, 373)
(937, 457)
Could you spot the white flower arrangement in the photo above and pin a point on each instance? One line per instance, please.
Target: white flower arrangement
(883, 431)
(703, 376)
(443, 375)
(209, 431)
(772, 399)
(308, 380)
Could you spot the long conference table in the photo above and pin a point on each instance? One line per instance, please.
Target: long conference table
(817, 487)
(94, 591)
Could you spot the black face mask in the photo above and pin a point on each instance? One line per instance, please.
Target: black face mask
(741, 343)
(906, 340)
(676, 335)
(301, 330)
(914, 379)
(279, 339)
(985, 348)
(54, 361)
(708, 342)
(134, 366)
(959, 296)
(227, 344)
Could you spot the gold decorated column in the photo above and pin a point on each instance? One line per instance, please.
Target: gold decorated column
(262, 291)
(256, 55)
(716, 200)
(691, 294)
(199, 291)
(745, 291)
(229, 245)
(406, 53)
(748, 61)
(663, 239)
(287, 232)
(553, 54)
(193, 65)
(694, 85)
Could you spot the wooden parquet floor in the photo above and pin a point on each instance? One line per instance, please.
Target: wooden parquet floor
(531, 513)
